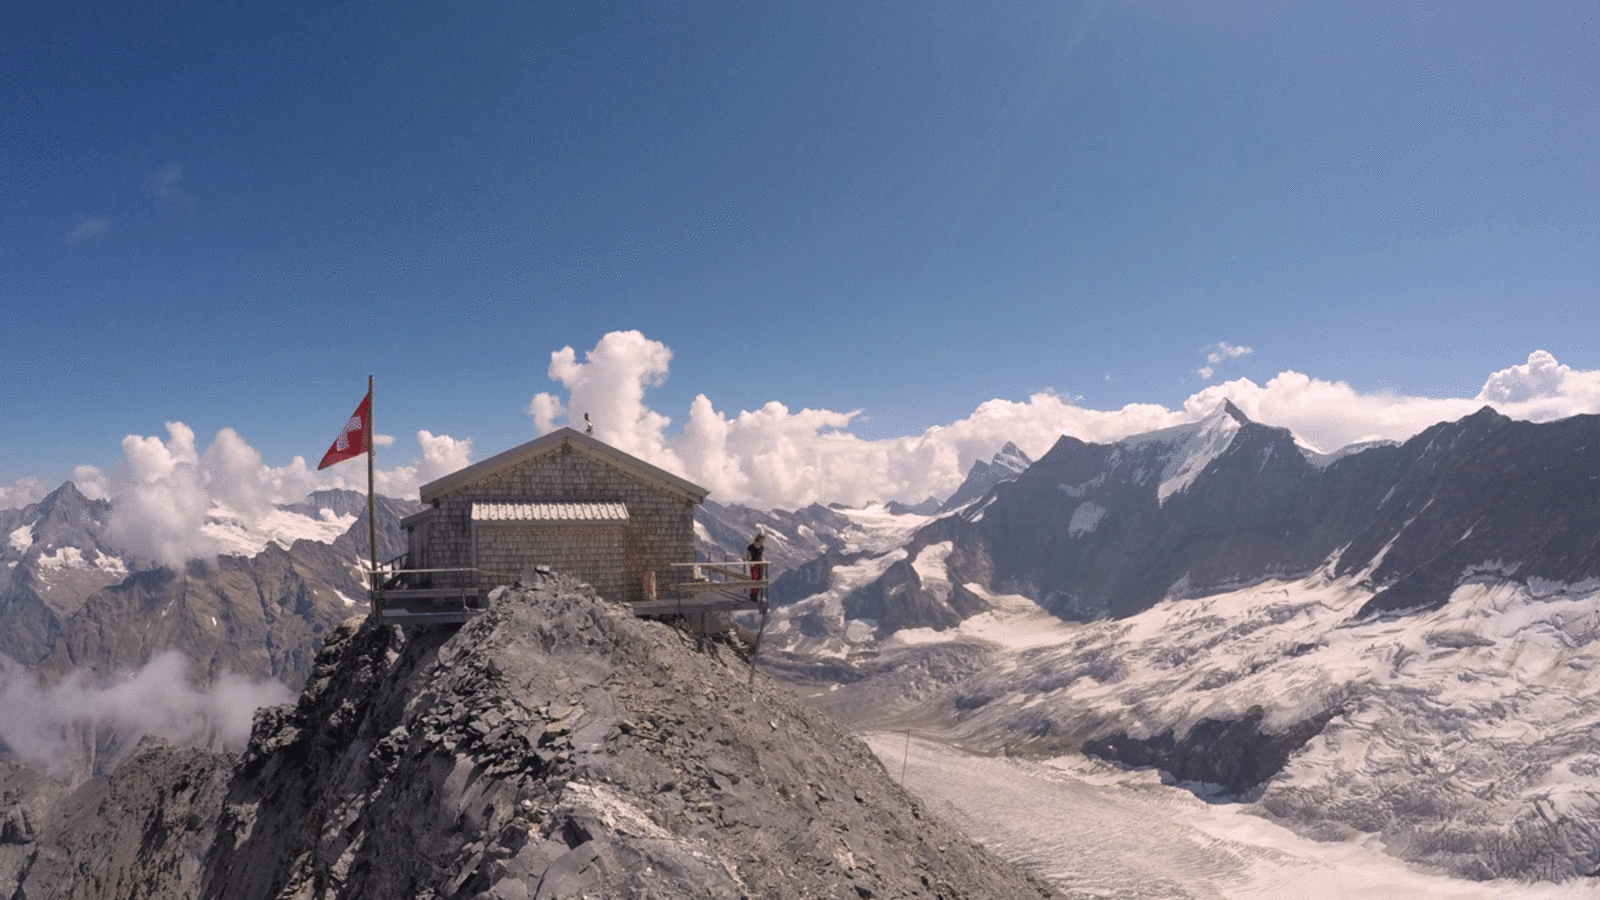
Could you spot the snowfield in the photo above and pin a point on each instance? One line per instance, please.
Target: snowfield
(240, 535)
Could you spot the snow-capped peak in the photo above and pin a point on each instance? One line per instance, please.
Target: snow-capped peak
(1190, 448)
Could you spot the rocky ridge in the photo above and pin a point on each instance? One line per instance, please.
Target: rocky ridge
(553, 747)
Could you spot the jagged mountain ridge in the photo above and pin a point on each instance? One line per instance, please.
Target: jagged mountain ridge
(1098, 530)
(68, 600)
(983, 476)
(548, 748)
(1393, 641)
(1405, 538)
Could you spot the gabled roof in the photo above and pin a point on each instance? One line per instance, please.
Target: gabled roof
(555, 440)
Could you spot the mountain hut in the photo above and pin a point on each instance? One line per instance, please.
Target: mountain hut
(568, 503)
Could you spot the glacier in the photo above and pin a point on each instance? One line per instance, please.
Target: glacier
(1094, 830)
(1466, 739)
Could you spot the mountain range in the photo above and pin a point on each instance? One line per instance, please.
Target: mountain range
(1396, 640)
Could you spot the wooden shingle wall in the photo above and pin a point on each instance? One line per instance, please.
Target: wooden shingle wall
(593, 552)
(613, 557)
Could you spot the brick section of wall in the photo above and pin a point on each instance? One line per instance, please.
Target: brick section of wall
(613, 558)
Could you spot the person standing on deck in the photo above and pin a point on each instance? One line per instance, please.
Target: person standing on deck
(755, 553)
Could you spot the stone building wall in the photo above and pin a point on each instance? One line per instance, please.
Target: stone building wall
(613, 557)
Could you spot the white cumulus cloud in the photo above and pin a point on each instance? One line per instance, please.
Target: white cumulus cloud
(609, 386)
(1218, 354)
(441, 455)
(777, 457)
(771, 456)
(25, 490)
(165, 491)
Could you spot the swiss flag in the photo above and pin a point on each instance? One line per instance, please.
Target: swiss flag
(352, 441)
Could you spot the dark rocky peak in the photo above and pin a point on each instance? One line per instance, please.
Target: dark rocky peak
(927, 507)
(1225, 418)
(1168, 458)
(817, 514)
(1460, 436)
(391, 537)
(65, 518)
(983, 476)
(1066, 446)
(1481, 490)
(1011, 458)
(67, 501)
(725, 531)
(337, 501)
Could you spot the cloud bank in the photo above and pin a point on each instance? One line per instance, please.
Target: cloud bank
(777, 457)
(39, 722)
(773, 456)
(165, 491)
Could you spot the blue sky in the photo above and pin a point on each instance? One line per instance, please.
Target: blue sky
(229, 214)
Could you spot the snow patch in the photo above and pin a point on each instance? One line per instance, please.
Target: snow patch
(22, 538)
(1012, 622)
(1475, 718)
(72, 558)
(1085, 518)
(1088, 827)
(877, 530)
(1078, 490)
(930, 568)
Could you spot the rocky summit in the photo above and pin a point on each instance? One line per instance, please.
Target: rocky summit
(552, 747)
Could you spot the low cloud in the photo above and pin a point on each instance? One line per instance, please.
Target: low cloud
(40, 723)
(166, 489)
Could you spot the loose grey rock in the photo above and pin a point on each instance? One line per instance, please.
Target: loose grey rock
(558, 747)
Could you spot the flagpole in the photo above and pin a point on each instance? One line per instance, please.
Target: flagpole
(372, 518)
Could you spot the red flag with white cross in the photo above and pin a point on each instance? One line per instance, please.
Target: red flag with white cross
(353, 440)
